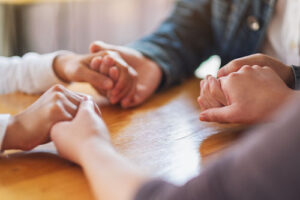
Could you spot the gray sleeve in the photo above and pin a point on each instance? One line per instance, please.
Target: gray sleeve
(264, 165)
(296, 70)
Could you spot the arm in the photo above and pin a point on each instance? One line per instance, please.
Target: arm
(263, 166)
(36, 73)
(32, 73)
(31, 127)
(182, 42)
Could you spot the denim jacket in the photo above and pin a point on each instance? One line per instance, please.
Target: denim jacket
(197, 29)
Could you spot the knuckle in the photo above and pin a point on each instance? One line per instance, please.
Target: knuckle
(55, 108)
(246, 68)
(267, 68)
(57, 95)
(232, 76)
(57, 87)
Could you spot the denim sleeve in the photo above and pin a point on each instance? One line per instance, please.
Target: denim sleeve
(182, 42)
(296, 70)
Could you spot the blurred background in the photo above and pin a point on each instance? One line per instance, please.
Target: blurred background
(48, 25)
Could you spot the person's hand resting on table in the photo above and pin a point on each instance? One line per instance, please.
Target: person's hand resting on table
(246, 96)
(32, 127)
(149, 74)
(85, 140)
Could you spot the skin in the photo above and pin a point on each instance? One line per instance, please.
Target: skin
(32, 127)
(75, 68)
(124, 76)
(252, 94)
(212, 96)
(85, 141)
(284, 71)
(149, 73)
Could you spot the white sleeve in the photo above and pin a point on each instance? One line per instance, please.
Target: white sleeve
(3, 125)
(32, 73)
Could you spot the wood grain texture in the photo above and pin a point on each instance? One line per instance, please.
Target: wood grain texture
(164, 136)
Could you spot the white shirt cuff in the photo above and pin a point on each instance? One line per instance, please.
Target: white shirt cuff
(4, 119)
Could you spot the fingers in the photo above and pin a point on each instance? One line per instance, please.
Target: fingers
(216, 91)
(130, 96)
(87, 107)
(100, 46)
(96, 63)
(211, 95)
(105, 66)
(229, 68)
(73, 97)
(114, 73)
(222, 115)
(99, 81)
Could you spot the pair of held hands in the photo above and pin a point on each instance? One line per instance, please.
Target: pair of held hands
(121, 74)
(69, 119)
(246, 90)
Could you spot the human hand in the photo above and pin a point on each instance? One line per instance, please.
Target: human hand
(86, 127)
(285, 72)
(32, 127)
(149, 73)
(211, 94)
(76, 68)
(252, 93)
(124, 76)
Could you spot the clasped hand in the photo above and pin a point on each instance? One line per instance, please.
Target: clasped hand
(247, 90)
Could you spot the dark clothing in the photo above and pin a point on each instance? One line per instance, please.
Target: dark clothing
(264, 165)
(198, 29)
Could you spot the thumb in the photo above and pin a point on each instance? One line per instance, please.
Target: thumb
(100, 46)
(98, 80)
(87, 107)
(228, 69)
(223, 114)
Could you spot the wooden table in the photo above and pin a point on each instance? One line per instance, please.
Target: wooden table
(163, 136)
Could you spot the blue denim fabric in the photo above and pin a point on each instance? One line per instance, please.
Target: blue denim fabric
(197, 29)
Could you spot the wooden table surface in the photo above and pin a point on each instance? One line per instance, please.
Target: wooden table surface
(163, 136)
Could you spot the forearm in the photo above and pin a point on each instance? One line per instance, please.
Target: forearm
(110, 175)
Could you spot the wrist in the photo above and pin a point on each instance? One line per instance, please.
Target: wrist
(94, 144)
(59, 66)
(11, 139)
